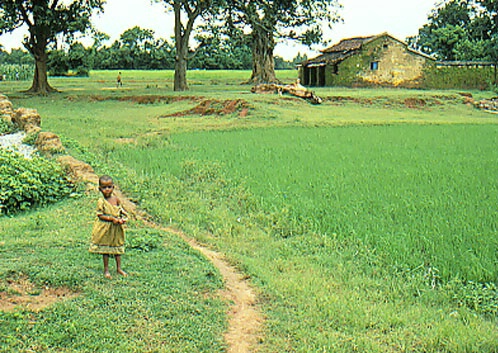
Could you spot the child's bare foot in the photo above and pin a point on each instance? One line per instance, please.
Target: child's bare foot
(122, 273)
(107, 275)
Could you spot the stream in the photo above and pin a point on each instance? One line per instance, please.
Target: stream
(14, 142)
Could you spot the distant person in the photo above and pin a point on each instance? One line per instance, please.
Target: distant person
(108, 235)
(17, 76)
(119, 82)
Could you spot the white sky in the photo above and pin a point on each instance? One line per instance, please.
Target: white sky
(401, 18)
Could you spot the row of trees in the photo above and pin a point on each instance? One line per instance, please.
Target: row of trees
(265, 21)
(461, 30)
(137, 48)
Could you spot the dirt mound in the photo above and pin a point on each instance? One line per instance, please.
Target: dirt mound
(21, 293)
(144, 99)
(27, 119)
(215, 107)
(48, 142)
(415, 103)
(388, 102)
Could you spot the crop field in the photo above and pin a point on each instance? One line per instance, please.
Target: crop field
(367, 223)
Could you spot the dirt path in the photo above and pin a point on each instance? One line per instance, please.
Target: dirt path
(244, 318)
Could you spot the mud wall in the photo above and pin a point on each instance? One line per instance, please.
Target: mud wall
(383, 62)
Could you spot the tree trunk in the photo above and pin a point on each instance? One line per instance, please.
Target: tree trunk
(181, 67)
(181, 44)
(263, 65)
(40, 79)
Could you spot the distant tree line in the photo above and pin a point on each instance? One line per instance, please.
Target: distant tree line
(138, 49)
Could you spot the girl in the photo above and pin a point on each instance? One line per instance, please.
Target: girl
(108, 233)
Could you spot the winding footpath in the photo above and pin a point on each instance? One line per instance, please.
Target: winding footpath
(244, 318)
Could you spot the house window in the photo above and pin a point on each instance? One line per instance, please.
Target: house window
(374, 65)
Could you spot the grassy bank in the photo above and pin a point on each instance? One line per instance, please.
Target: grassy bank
(168, 304)
(367, 223)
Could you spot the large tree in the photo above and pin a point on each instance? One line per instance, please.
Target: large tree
(186, 12)
(269, 21)
(459, 30)
(46, 21)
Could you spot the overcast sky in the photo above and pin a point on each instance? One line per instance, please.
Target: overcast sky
(400, 18)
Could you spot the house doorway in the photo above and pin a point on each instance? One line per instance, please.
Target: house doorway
(321, 76)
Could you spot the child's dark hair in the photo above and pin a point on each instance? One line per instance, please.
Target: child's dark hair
(105, 179)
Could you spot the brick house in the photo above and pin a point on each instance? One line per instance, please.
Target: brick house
(380, 60)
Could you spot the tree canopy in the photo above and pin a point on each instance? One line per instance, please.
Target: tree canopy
(465, 30)
(46, 21)
(270, 21)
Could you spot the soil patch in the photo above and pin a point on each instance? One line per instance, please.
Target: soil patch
(215, 107)
(415, 103)
(143, 99)
(21, 293)
(409, 102)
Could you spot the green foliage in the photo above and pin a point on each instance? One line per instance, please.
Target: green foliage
(455, 77)
(30, 138)
(26, 183)
(18, 57)
(479, 297)
(58, 63)
(144, 240)
(458, 30)
(6, 126)
(14, 72)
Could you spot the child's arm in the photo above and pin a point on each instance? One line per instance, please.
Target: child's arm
(123, 215)
(107, 218)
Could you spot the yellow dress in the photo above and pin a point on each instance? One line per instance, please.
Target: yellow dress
(107, 237)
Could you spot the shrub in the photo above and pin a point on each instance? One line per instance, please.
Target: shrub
(144, 240)
(6, 126)
(26, 183)
(30, 138)
(480, 297)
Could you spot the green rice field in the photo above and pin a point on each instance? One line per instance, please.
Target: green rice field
(365, 224)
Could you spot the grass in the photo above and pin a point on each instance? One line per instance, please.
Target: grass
(169, 304)
(366, 224)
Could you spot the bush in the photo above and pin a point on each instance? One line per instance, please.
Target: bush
(143, 240)
(26, 183)
(454, 77)
(6, 126)
(16, 72)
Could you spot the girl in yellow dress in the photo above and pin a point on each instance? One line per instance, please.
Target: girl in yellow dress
(108, 235)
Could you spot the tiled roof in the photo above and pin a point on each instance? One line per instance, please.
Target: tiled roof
(328, 58)
(347, 47)
(349, 44)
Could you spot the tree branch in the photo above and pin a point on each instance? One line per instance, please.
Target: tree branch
(24, 13)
